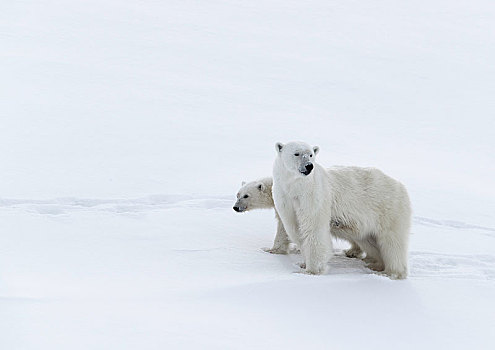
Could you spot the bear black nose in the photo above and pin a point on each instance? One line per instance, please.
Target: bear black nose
(309, 167)
(236, 209)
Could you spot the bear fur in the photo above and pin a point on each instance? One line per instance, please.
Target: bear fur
(373, 209)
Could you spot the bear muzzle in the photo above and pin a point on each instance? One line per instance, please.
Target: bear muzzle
(307, 169)
(239, 208)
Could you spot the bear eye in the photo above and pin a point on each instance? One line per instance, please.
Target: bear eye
(296, 154)
(311, 156)
(245, 196)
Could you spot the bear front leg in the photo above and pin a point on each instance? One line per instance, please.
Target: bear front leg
(316, 249)
(281, 242)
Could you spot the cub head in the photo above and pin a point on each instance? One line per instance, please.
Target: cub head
(254, 195)
(297, 157)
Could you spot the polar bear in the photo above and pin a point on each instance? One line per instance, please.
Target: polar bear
(258, 195)
(300, 194)
(373, 209)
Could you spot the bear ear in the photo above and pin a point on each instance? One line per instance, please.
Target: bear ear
(243, 183)
(279, 146)
(316, 149)
(261, 187)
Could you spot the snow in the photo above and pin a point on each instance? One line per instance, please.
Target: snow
(128, 126)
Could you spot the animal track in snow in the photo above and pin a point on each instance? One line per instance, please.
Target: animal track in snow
(60, 206)
(456, 266)
(449, 223)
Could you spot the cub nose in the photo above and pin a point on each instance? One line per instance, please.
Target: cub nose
(236, 209)
(308, 167)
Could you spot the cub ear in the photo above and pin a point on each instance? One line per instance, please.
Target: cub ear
(316, 149)
(243, 183)
(261, 187)
(279, 146)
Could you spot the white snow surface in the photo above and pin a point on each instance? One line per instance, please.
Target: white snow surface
(126, 128)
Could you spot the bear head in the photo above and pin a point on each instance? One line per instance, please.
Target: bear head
(254, 195)
(297, 157)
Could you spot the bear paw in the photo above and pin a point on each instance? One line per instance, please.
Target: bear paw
(376, 266)
(353, 253)
(396, 275)
(316, 269)
(275, 250)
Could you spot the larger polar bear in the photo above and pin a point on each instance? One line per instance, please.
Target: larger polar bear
(373, 207)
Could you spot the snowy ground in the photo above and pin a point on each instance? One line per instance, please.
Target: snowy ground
(132, 274)
(127, 127)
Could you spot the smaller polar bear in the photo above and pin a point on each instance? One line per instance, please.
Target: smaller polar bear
(373, 209)
(258, 195)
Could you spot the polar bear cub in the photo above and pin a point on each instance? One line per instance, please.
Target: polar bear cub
(300, 194)
(258, 195)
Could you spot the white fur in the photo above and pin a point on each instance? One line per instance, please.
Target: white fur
(255, 195)
(367, 207)
(377, 210)
(302, 203)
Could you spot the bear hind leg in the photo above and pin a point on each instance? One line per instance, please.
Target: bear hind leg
(373, 257)
(393, 249)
